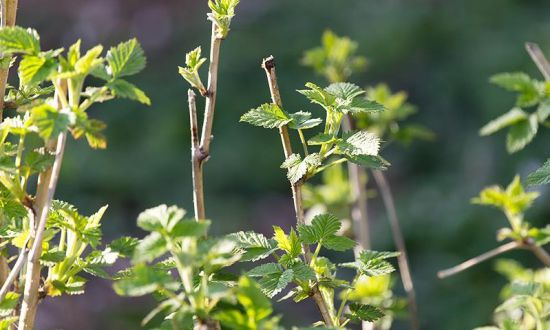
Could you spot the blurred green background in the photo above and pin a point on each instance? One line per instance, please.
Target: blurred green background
(440, 51)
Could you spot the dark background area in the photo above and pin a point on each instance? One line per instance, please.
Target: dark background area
(440, 52)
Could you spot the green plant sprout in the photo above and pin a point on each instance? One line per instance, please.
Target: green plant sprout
(336, 60)
(525, 303)
(52, 234)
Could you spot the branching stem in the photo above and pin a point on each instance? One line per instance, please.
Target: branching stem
(197, 174)
(479, 259)
(268, 65)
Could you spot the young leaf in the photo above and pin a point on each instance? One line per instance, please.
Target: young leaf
(150, 248)
(144, 280)
(35, 69)
(510, 118)
(222, 13)
(374, 162)
(267, 115)
(273, 284)
(303, 120)
(298, 168)
(265, 269)
(126, 59)
(290, 244)
(124, 89)
(160, 218)
(521, 134)
(518, 82)
(367, 313)
(318, 95)
(50, 121)
(303, 272)
(87, 62)
(256, 246)
(322, 227)
(361, 143)
(540, 176)
(339, 243)
(19, 40)
(372, 263)
(8, 304)
(344, 90)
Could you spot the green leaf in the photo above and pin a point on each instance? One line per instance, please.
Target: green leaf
(126, 59)
(322, 226)
(265, 269)
(540, 176)
(373, 162)
(124, 246)
(189, 228)
(344, 90)
(322, 138)
(254, 302)
(510, 118)
(303, 120)
(521, 134)
(323, 231)
(91, 128)
(150, 248)
(273, 284)
(193, 62)
(518, 82)
(514, 200)
(86, 63)
(19, 40)
(35, 69)
(222, 13)
(339, 243)
(124, 89)
(8, 304)
(298, 168)
(360, 143)
(372, 263)
(267, 115)
(50, 121)
(256, 246)
(50, 258)
(318, 95)
(367, 313)
(290, 244)
(38, 162)
(303, 272)
(160, 218)
(144, 280)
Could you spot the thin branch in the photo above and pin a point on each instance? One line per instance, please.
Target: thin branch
(210, 104)
(9, 12)
(268, 65)
(482, 257)
(538, 57)
(397, 234)
(197, 174)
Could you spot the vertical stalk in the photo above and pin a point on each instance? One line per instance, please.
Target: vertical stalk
(197, 174)
(538, 57)
(9, 12)
(402, 259)
(268, 65)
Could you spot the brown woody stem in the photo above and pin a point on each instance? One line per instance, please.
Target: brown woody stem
(268, 65)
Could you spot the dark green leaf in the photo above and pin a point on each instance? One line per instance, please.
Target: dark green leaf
(540, 176)
(267, 115)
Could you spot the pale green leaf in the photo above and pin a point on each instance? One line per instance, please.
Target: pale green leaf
(521, 134)
(124, 89)
(510, 118)
(267, 115)
(19, 40)
(126, 59)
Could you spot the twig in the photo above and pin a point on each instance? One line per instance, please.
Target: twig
(197, 174)
(482, 257)
(210, 104)
(9, 12)
(268, 64)
(539, 252)
(538, 57)
(397, 234)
